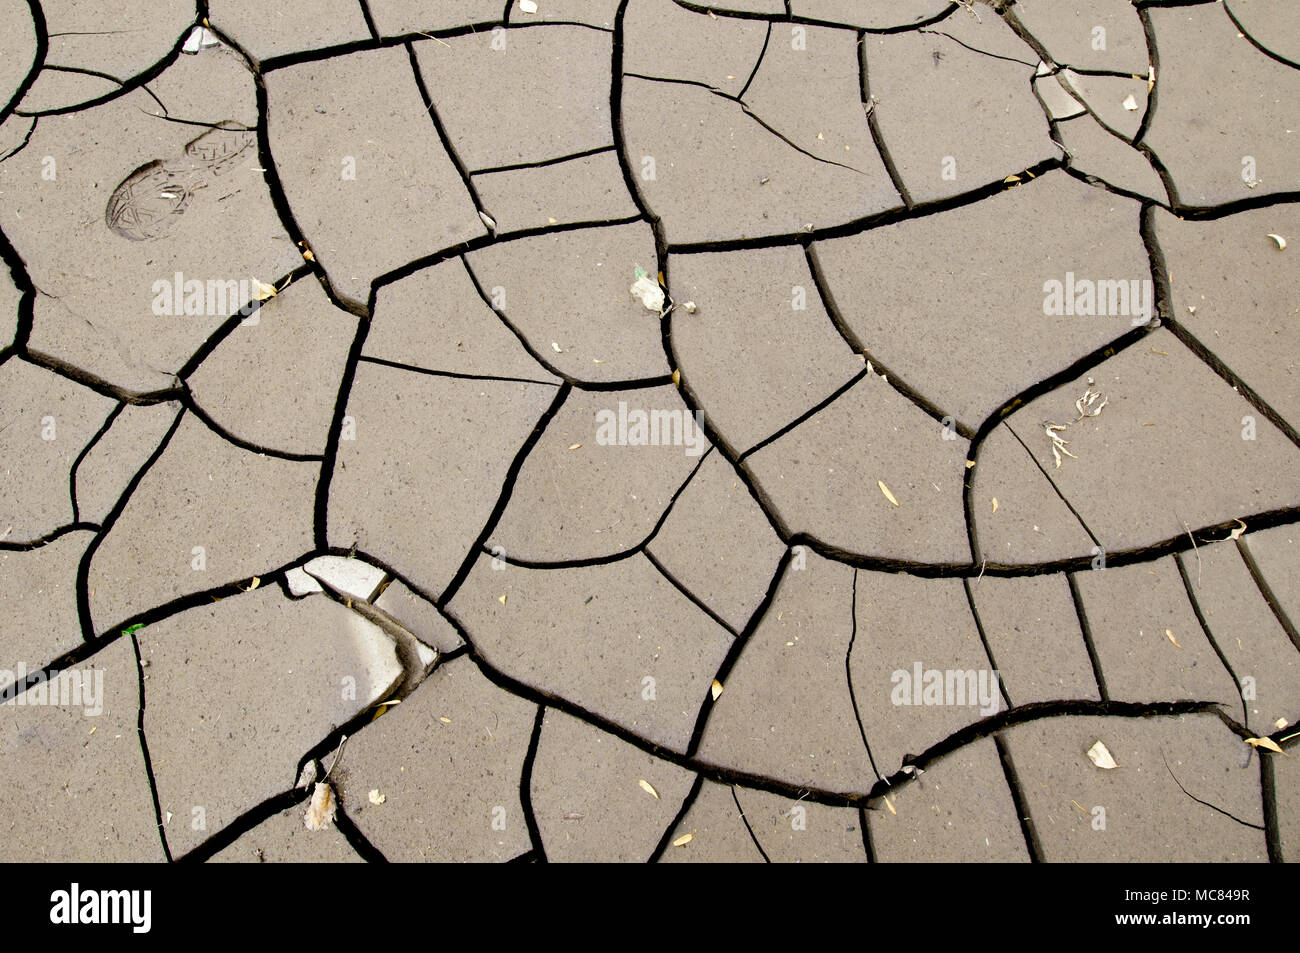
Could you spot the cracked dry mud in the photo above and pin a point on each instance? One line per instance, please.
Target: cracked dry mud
(319, 400)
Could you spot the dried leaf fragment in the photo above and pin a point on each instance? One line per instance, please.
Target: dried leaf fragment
(885, 490)
(685, 838)
(321, 810)
(889, 804)
(1099, 755)
(1169, 634)
(375, 797)
(1236, 533)
(264, 291)
(1130, 102)
(1266, 743)
(1281, 242)
(648, 788)
(576, 446)
(995, 504)
(716, 689)
(488, 220)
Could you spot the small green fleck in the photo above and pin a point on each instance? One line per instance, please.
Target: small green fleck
(133, 628)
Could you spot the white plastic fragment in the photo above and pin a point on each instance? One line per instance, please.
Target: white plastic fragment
(527, 6)
(1130, 103)
(489, 221)
(1099, 755)
(200, 38)
(651, 295)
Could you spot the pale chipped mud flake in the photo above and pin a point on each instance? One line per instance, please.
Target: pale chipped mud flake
(299, 668)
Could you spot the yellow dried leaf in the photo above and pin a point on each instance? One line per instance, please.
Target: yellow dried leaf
(889, 805)
(444, 720)
(677, 378)
(576, 446)
(1281, 242)
(376, 798)
(683, 840)
(1170, 634)
(264, 291)
(648, 788)
(716, 690)
(885, 490)
(257, 581)
(1266, 743)
(502, 598)
(1011, 180)
(969, 464)
(995, 504)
